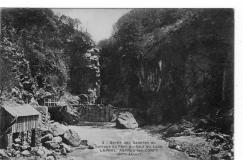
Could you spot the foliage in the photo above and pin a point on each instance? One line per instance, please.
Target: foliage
(51, 46)
(172, 61)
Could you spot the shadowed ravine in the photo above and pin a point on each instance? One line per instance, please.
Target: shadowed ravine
(95, 134)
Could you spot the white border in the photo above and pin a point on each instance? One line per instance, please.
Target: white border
(121, 3)
(236, 4)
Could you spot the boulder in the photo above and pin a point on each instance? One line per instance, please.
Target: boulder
(67, 147)
(17, 140)
(25, 153)
(72, 138)
(9, 152)
(125, 120)
(16, 146)
(172, 130)
(16, 153)
(47, 151)
(193, 155)
(57, 139)
(47, 137)
(84, 142)
(178, 148)
(64, 151)
(57, 129)
(90, 147)
(25, 147)
(40, 152)
(52, 145)
(51, 157)
(172, 144)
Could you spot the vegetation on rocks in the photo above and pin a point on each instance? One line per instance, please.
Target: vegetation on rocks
(175, 64)
(171, 63)
(44, 54)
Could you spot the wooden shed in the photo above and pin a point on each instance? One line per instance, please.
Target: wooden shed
(17, 121)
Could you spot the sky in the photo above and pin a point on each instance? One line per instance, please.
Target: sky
(98, 22)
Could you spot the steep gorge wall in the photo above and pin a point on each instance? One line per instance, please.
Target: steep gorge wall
(44, 55)
(170, 63)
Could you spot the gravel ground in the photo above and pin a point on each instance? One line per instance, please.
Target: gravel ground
(98, 133)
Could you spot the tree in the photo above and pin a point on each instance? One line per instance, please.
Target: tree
(51, 46)
(178, 61)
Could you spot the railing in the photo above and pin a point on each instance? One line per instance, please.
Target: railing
(51, 102)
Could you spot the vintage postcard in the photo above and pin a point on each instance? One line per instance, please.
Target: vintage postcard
(117, 84)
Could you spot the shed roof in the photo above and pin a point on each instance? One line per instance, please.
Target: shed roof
(18, 110)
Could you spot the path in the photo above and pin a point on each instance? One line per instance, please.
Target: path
(95, 134)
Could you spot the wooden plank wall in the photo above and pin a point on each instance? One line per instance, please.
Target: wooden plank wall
(94, 113)
(25, 123)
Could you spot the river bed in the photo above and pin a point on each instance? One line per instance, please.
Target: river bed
(116, 144)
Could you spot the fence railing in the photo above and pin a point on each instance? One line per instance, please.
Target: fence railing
(51, 102)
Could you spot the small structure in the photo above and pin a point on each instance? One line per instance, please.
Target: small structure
(18, 121)
(51, 102)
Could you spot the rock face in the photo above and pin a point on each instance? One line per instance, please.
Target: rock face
(126, 120)
(72, 138)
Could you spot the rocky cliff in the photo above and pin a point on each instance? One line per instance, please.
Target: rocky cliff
(43, 55)
(170, 63)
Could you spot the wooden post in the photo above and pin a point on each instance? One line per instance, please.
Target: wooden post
(109, 114)
(33, 138)
(22, 137)
(9, 140)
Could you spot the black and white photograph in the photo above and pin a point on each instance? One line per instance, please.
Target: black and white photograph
(117, 83)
